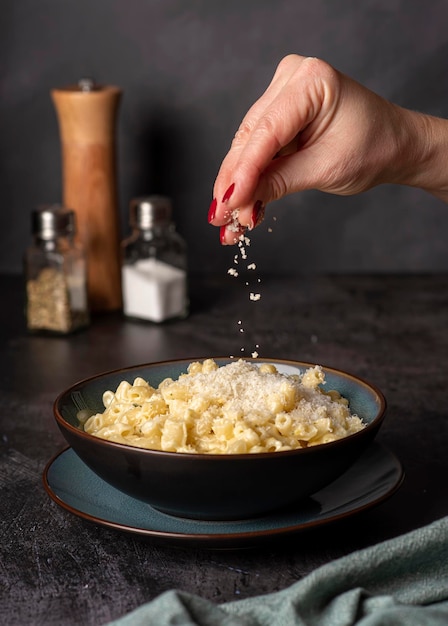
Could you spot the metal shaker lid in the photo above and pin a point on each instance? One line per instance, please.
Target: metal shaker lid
(51, 221)
(87, 84)
(149, 211)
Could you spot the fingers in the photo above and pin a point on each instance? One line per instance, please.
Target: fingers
(272, 129)
(254, 129)
(231, 232)
(224, 185)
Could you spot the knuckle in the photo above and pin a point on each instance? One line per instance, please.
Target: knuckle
(277, 186)
(316, 68)
(269, 131)
(293, 63)
(267, 125)
(241, 136)
(288, 63)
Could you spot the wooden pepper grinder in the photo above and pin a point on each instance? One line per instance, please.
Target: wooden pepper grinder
(87, 117)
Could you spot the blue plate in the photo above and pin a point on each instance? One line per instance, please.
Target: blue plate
(72, 485)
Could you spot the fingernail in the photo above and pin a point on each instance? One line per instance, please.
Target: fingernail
(228, 193)
(222, 235)
(212, 210)
(257, 214)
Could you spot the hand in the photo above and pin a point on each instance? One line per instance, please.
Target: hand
(315, 128)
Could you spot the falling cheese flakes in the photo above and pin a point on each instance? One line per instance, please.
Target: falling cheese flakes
(243, 243)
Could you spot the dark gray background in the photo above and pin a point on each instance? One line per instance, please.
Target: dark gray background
(189, 70)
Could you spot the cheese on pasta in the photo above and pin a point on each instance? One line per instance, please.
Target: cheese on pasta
(238, 408)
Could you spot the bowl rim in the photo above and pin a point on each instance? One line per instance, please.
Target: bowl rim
(374, 424)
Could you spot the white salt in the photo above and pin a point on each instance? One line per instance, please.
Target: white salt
(154, 290)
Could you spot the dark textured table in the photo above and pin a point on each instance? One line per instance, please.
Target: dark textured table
(56, 568)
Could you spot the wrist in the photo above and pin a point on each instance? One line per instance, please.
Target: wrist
(422, 153)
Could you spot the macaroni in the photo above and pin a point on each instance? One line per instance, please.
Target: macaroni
(238, 408)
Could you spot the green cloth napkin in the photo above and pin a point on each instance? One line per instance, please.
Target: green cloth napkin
(402, 581)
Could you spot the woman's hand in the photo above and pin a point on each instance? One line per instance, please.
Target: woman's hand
(315, 128)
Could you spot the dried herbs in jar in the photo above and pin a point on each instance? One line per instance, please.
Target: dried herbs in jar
(55, 274)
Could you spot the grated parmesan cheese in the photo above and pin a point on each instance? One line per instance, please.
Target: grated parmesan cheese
(243, 242)
(236, 408)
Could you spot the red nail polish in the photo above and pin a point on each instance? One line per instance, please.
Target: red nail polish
(222, 235)
(228, 193)
(212, 210)
(257, 214)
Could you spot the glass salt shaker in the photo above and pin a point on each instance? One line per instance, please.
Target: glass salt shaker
(154, 263)
(55, 274)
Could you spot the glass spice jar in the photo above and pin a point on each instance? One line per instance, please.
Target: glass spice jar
(154, 263)
(55, 274)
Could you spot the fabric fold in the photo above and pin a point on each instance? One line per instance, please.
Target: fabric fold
(402, 581)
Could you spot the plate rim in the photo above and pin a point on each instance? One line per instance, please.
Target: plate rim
(222, 539)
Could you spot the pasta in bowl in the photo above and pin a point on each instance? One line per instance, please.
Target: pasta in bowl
(220, 438)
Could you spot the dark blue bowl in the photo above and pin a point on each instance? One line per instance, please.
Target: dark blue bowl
(223, 487)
